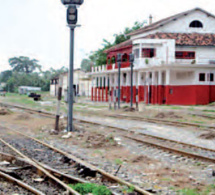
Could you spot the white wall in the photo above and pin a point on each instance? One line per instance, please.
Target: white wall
(182, 24)
(203, 54)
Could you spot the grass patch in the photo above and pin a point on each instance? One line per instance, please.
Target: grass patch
(128, 190)
(208, 110)
(118, 161)
(88, 188)
(188, 192)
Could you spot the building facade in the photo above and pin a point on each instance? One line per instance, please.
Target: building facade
(174, 62)
(82, 83)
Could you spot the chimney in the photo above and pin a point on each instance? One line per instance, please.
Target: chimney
(150, 19)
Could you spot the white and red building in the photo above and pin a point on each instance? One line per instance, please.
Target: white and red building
(174, 62)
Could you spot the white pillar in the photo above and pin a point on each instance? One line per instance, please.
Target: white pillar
(139, 78)
(128, 82)
(115, 80)
(140, 51)
(103, 83)
(134, 78)
(167, 77)
(160, 77)
(153, 78)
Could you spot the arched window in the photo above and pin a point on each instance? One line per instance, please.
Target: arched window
(113, 60)
(108, 61)
(125, 57)
(196, 24)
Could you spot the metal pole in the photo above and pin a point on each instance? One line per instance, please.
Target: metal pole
(58, 103)
(71, 89)
(131, 84)
(119, 85)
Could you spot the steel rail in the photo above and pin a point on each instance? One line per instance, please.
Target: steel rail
(34, 163)
(120, 116)
(20, 183)
(147, 142)
(77, 160)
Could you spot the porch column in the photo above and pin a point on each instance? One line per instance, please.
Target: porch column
(140, 51)
(146, 91)
(167, 86)
(103, 84)
(160, 91)
(92, 89)
(121, 86)
(167, 77)
(128, 85)
(134, 86)
(106, 88)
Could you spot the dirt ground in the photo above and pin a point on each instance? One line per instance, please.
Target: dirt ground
(101, 147)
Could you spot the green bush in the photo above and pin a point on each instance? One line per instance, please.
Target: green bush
(87, 188)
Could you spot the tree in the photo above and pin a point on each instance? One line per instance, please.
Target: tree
(86, 65)
(4, 76)
(99, 57)
(24, 64)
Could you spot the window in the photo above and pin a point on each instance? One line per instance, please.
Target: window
(125, 58)
(210, 77)
(148, 53)
(185, 55)
(136, 53)
(202, 77)
(108, 61)
(171, 91)
(113, 60)
(196, 24)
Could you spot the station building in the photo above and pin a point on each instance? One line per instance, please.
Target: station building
(174, 62)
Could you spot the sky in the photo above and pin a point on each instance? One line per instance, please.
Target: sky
(38, 28)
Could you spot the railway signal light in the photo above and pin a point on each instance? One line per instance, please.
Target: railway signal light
(119, 57)
(72, 18)
(72, 15)
(72, 2)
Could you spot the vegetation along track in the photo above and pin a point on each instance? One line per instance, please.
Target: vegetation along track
(180, 148)
(57, 161)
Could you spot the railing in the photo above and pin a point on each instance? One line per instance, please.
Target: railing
(149, 62)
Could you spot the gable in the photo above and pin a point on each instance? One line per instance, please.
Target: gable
(179, 23)
(182, 24)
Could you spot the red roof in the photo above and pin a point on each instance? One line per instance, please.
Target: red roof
(189, 39)
(119, 46)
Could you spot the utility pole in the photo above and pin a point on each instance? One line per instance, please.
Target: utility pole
(72, 19)
(119, 60)
(131, 59)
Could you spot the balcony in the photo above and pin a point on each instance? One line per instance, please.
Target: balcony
(123, 65)
(147, 62)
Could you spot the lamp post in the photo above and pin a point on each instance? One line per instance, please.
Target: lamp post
(119, 60)
(131, 59)
(72, 18)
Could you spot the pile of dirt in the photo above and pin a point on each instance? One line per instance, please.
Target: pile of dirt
(128, 109)
(23, 117)
(142, 158)
(99, 141)
(4, 111)
(208, 135)
(171, 115)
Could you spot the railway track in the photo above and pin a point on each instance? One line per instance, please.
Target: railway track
(179, 148)
(59, 165)
(123, 116)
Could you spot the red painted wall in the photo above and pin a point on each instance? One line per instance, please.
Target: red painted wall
(170, 95)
